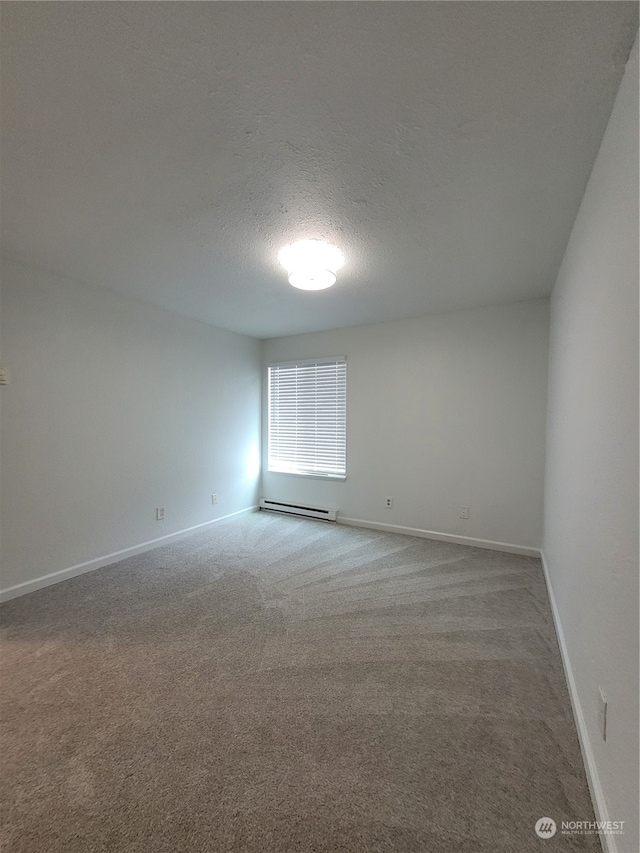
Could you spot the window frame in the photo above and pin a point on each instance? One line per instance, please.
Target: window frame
(331, 477)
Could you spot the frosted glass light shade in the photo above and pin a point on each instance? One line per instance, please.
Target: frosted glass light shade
(311, 264)
(312, 279)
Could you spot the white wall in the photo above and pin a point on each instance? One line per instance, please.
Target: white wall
(114, 408)
(442, 411)
(591, 494)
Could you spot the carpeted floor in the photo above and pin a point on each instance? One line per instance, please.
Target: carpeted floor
(280, 684)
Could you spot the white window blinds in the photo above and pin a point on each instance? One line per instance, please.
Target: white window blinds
(307, 417)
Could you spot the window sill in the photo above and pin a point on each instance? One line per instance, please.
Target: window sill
(331, 478)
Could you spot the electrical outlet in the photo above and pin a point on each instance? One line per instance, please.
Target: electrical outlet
(388, 502)
(602, 713)
(464, 512)
(214, 499)
(159, 513)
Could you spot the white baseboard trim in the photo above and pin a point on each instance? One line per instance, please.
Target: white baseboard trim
(99, 562)
(444, 537)
(609, 842)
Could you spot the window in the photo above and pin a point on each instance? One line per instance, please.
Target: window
(307, 417)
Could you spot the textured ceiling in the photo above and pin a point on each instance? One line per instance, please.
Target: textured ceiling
(168, 150)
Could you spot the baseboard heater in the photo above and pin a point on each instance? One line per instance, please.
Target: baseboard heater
(299, 509)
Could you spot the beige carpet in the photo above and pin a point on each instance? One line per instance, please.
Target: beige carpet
(280, 684)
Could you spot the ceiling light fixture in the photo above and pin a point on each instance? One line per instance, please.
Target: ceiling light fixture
(311, 264)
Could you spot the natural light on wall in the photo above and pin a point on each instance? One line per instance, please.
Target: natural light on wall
(311, 264)
(253, 463)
